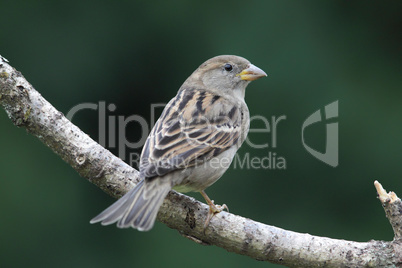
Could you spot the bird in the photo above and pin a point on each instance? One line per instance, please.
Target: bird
(193, 142)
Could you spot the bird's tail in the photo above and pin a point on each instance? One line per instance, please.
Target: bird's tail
(137, 208)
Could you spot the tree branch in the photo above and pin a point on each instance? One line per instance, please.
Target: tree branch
(28, 109)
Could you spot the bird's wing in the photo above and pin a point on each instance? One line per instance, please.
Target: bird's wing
(194, 127)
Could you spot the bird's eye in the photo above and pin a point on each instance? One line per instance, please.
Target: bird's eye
(228, 67)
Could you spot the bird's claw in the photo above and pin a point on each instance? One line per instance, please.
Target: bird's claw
(214, 209)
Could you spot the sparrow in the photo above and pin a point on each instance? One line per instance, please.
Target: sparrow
(193, 142)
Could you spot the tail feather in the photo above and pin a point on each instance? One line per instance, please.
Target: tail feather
(138, 208)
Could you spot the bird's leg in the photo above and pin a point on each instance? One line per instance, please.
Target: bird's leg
(213, 209)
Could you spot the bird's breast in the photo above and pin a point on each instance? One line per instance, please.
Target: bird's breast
(202, 176)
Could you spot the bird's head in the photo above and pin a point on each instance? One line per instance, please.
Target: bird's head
(227, 74)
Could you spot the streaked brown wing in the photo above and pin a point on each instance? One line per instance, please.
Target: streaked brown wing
(192, 129)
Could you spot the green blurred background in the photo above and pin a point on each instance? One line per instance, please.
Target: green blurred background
(135, 53)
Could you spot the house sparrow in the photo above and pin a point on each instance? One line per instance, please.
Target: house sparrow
(193, 142)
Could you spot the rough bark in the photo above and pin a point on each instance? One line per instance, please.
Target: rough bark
(28, 109)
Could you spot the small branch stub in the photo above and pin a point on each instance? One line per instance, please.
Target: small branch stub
(385, 197)
(3, 59)
(393, 208)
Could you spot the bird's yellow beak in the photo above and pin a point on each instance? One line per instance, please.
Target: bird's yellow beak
(252, 73)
